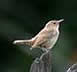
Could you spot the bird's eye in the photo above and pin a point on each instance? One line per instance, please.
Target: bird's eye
(54, 23)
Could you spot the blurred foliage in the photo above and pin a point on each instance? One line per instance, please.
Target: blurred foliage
(22, 19)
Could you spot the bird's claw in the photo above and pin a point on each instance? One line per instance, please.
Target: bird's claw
(30, 48)
(37, 60)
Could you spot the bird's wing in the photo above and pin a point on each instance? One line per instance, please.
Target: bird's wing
(41, 38)
(39, 41)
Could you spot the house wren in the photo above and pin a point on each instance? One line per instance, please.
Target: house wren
(45, 39)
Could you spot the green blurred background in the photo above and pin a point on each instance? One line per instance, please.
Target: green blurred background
(22, 19)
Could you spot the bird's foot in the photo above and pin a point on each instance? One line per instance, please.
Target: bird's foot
(30, 48)
(37, 60)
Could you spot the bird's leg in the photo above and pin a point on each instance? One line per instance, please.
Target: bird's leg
(45, 52)
(37, 60)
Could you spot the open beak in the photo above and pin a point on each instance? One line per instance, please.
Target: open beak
(61, 20)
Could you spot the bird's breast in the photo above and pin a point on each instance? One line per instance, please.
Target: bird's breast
(53, 40)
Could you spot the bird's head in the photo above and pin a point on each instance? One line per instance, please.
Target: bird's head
(54, 23)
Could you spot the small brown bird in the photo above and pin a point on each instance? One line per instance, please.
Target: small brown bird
(45, 39)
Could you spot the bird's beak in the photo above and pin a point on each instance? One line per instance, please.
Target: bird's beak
(61, 20)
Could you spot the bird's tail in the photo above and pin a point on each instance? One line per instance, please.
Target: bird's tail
(23, 42)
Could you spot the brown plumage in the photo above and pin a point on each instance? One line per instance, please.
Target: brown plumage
(45, 39)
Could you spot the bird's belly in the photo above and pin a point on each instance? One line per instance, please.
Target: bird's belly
(52, 41)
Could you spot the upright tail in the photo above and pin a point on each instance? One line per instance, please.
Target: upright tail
(23, 42)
